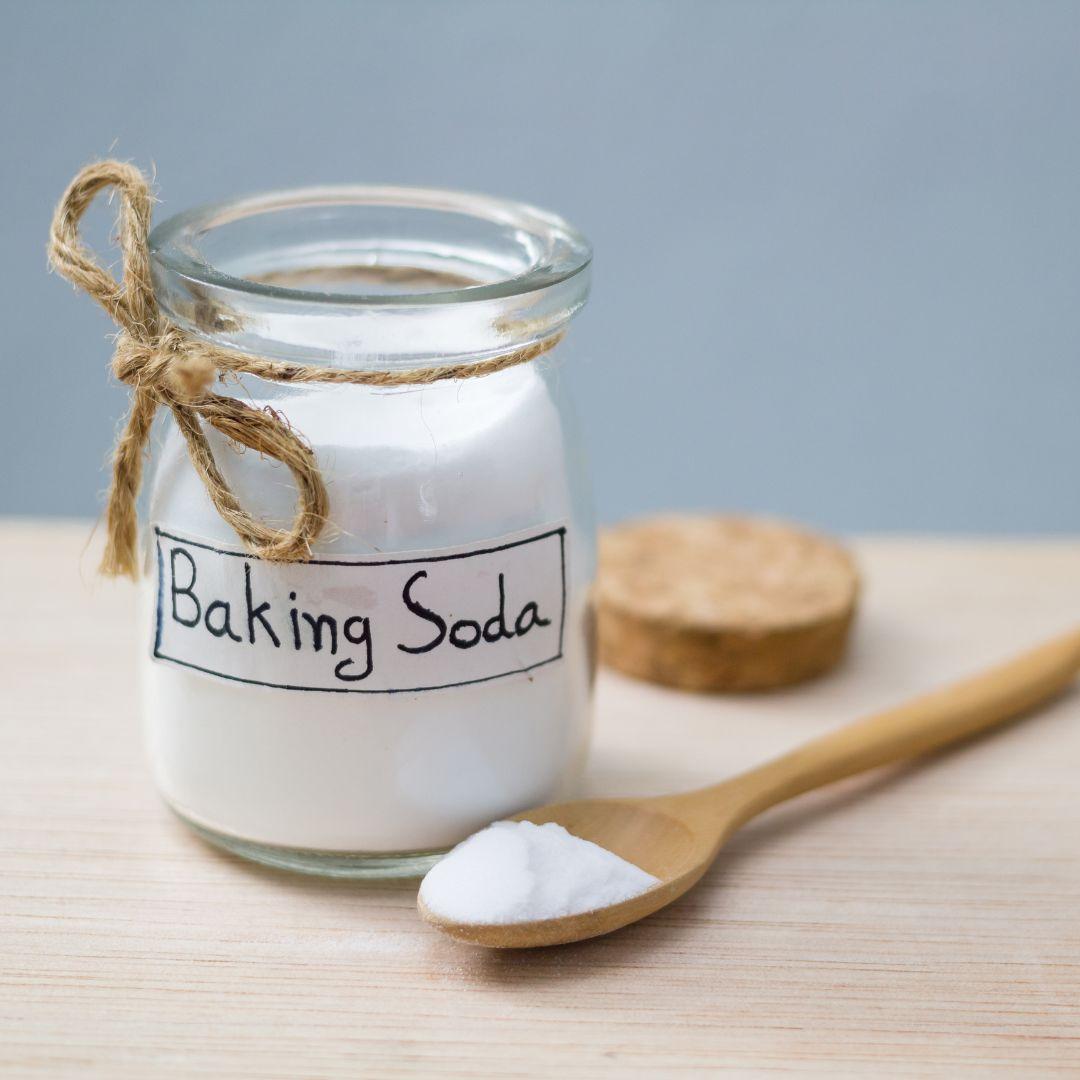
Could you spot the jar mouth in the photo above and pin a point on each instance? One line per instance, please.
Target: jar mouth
(368, 246)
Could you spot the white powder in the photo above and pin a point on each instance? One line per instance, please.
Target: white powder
(454, 463)
(514, 871)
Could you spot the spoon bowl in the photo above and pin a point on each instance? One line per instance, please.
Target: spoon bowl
(647, 832)
(676, 837)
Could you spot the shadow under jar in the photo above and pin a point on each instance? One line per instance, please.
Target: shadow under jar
(430, 668)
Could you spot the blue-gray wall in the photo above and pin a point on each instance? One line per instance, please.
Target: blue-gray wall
(838, 244)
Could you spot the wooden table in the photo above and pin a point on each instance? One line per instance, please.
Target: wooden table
(923, 922)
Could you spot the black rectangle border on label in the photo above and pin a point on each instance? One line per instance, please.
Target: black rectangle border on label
(160, 533)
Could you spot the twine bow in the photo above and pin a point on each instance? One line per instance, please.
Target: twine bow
(164, 366)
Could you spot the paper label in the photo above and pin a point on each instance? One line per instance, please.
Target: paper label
(411, 622)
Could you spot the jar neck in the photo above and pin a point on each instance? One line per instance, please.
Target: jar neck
(370, 278)
(368, 336)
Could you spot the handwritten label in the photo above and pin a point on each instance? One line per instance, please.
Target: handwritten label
(421, 621)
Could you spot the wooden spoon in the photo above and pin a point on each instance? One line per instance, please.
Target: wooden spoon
(676, 837)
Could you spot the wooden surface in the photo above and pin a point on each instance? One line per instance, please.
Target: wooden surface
(922, 922)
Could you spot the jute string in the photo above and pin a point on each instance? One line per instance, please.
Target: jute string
(164, 366)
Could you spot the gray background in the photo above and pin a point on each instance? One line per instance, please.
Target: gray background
(838, 244)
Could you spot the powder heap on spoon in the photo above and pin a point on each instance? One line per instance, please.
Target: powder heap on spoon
(515, 871)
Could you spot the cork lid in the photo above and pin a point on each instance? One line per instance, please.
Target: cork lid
(722, 602)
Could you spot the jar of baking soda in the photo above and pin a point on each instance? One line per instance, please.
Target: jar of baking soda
(368, 551)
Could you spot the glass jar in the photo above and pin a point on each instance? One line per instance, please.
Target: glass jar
(429, 669)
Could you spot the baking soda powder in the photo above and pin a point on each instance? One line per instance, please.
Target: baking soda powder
(515, 871)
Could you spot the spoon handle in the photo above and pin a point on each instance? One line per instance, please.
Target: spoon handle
(926, 723)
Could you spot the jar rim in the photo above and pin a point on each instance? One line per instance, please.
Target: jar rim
(557, 252)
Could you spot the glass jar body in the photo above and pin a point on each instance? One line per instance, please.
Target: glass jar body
(441, 468)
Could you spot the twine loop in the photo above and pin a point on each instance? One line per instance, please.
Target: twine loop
(166, 367)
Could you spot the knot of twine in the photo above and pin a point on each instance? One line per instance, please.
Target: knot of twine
(164, 366)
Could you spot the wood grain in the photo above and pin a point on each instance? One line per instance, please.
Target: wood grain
(920, 923)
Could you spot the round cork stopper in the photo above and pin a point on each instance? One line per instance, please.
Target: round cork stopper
(722, 603)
